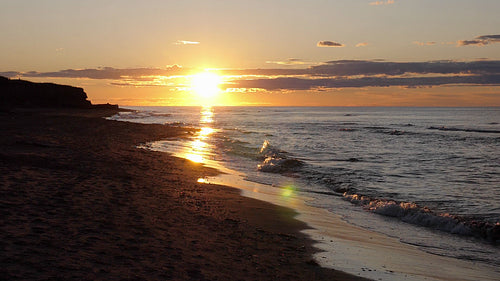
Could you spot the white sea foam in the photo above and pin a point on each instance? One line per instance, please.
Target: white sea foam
(411, 212)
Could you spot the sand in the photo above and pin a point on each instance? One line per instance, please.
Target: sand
(357, 250)
(79, 200)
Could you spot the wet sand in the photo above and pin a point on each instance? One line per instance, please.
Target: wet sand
(79, 201)
(356, 250)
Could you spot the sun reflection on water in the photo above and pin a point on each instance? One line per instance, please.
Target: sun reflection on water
(199, 148)
(207, 115)
(198, 158)
(206, 131)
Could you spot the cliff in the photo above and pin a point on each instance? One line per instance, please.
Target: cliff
(21, 93)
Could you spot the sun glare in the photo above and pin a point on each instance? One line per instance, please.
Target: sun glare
(206, 84)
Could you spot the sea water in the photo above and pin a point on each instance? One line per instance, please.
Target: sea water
(429, 177)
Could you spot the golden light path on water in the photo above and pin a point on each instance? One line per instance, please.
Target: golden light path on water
(199, 149)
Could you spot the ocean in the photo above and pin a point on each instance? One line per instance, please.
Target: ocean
(429, 177)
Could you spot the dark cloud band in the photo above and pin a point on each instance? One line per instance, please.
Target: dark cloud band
(332, 74)
(480, 40)
(292, 83)
(102, 73)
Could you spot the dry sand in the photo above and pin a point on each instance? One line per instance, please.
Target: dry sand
(79, 201)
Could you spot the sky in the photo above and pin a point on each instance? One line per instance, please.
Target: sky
(314, 53)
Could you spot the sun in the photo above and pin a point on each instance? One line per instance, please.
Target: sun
(206, 84)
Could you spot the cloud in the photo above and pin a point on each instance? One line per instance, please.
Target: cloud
(365, 67)
(330, 68)
(295, 83)
(10, 74)
(336, 68)
(329, 44)
(184, 42)
(378, 3)
(493, 38)
(328, 75)
(424, 43)
(472, 42)
(482, 40)
(103, 73)
(290, 61)
(363, 44)
(362, 73)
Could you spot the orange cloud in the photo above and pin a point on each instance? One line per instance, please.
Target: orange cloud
(378, 3)
(363, 44)
(424, 43)
(290, 61)
(184, 42)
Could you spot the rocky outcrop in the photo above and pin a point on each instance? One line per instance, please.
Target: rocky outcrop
(21, 93)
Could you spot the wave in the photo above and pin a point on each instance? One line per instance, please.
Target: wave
(352, 159)
(347, 130)
(140, 114)
(161, 114)
(396, 132)
(464, 130)
(147, 117)
(390, 131)
(245, 132)
(412, 213)
(235, 147)
(276, 160)
(272, 165)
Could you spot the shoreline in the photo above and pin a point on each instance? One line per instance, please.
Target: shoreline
(353, 249)
(81, 201)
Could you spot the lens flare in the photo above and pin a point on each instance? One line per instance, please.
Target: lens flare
(288, 191)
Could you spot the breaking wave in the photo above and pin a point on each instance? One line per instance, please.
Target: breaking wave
(412, 213)
(276, 160)
(147, 117)
(139, 114)
(464, 130)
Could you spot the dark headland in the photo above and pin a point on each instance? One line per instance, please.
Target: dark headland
(16, 93)
(79, 201)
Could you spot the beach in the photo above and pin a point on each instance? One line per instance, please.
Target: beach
(80, 201)
(389, 241)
